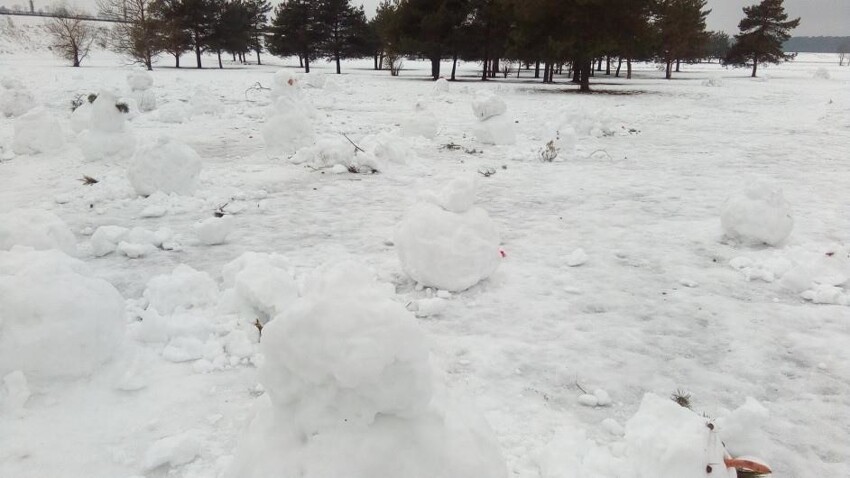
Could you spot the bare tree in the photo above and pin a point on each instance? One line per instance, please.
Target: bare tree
(137, 38)
(72, 37)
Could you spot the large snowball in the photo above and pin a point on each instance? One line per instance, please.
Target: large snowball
(498, 130)
(486, 105)
(167, 165)
(260, 284)
(106, 138)
(666, 440)
(287, 132)
(56, 320)
(15, 102)
(183, 289)
(37, 132)
(139, 80)
(447, 250)
(352, 394)
(758, 214)
(422, 122)
(36, 228)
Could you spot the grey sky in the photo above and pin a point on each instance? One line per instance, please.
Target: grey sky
(819, 17)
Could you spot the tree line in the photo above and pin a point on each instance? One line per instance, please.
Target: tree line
(578, 37)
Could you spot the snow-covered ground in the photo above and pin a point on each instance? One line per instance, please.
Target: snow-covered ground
(615, 283)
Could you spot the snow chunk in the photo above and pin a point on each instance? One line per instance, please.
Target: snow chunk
(498, 130)
(145, 100)
(167, 165)
(486, 105)
(139, 80)
(422, 122)
(15, 102)
(173, 451)
(448, 250)
(458, 195)
(173, 113)
(759, 214)
(821, 74)
(577, 258)
(214, 231)
(665, 440)
(58, 321)
(106, 238)
(37, 132)
(287, 132)
(743, 428)
(36, 228)
(260, 284)
(106, 137)
(203, 102)
(183, 289)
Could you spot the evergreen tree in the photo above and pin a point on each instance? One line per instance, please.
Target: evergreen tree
(681, 30)
(718, 45)
(387, 28)
(346, 31)
(428, 28)
(171, 37)
(763, 31)
(297, 30)
(257, 14)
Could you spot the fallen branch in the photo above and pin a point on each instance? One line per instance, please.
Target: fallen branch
(356, 148)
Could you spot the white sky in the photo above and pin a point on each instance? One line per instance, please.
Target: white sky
(819, 17)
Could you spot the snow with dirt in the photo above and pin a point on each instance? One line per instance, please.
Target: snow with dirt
(253, 271)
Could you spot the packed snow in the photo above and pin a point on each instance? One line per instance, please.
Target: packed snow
(521, 308)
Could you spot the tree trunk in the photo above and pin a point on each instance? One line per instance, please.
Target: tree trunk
(576, 72)
(300, 61)
(619, 65)
(148, 60)
(220, 66)
(755, 65)
(258, 57)
(435, 66)
(375, 57)
(669, 71)
(629, 68)
(234, 55)
(198, 55)
(336, 58)
(608, 65)
(586, 68)
(381, 60)
(306, 64)
(177, 61)
(454, 64)
(678, 65)
(598, 65)
(537, 69)
(495, 68)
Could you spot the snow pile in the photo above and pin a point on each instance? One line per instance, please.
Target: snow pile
(289, 126)
(37, 132)
(560, 144)
(758, 214)
(446, 242)
(174, 112)
(106, 136)
(259, 285)
(821, 74)
(596, 123)
(35, 228)
(388, 148)
(215, 230)
(204, 102)
(743, 429)
(713, 82)
(820, 274)
(58, 321)
(133, 243)
(81, 117)
(351, 393)
(666, 440)
(167, 165)
(337, 153)
(494, 126)
(174, 450)
(572, 454)
(422, 122)
(15, 98)
(183, 289)
(441, 87)
(140, 83)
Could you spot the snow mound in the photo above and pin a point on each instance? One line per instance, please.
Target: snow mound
(58, 321)
(666, 440)
(821, 74)
(713, 82)
(498, 130)
(167, 165)
(81, 117)
(759, 214)
(204, 102)
(15, 100)
(139, 80)
(350, 384)
(422, 122)
(37, 132)
(259, 285)
(173, 113)
(287, 131)
(451, 249)
(174, 450)
(183, 289)
(388, 148)
(486, 105)
(134, 243)
(36, 228)
(106, 136)
(145, 100)
(441, 86)
(214, 231)
(743, 429)
(561, 144)
(340, 153)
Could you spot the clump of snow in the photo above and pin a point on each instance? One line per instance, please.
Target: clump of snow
(174, 450)
(145, 100)
(577, 258)
(666, 440)
(15, 99)
(139, 80)
(106, 136)
(821, 74)
(81, 117)
(388, 148)
(37, 132)
(572, 454)
(289, 126)
(487, 105)
(204, 102)
(261, 285)
(174, 112)
(133, 243)
(450, 245)
(185, 288)
(349, 380)
(35, 228)
(215, 230)
(422, 122)
(758, 214)
(561, 144)
(441, 87)
(743, 429)
(167, 165)
(713, 82)
(58, 320)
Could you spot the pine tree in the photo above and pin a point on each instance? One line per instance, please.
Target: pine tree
(345, 28)
(428, 27)
(681, 30)
(257, 13)
(764, 29)
(297, 29)
(171, 37)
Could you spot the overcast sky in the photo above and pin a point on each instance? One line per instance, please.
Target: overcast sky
(819, 17)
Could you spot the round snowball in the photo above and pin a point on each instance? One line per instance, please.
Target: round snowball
(758, 214)
(167, 165)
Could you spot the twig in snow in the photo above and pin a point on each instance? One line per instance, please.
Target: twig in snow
(487, 172)
(259, 326)
(88, 180)
(356, 148)
(255, 87)
(578, 385)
